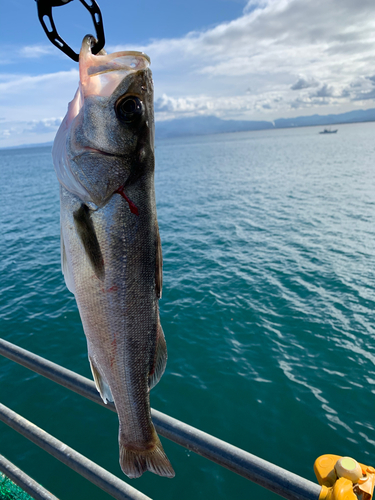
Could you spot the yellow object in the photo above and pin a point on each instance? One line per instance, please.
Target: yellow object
(349, 468)
(343, 478)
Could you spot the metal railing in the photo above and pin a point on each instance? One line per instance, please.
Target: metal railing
(266, 474)
(24, 481)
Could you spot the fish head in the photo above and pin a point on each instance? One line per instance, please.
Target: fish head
(107, 136)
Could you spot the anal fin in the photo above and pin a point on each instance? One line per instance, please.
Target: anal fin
(160, 359)
(101, 383)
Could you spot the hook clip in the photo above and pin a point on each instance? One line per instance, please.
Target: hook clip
(45, 10)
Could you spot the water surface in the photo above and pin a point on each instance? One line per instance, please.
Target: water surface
(268, 308)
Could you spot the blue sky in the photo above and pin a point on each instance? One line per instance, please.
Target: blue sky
(236, 59)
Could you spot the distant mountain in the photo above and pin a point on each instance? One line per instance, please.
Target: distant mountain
(26, 146)
(202, 125)
(358, 115)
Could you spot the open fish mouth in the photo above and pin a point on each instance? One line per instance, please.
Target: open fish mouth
(100, 74)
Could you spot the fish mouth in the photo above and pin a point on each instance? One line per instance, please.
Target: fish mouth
(87, 151)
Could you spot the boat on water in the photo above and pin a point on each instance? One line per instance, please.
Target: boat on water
(328, 131)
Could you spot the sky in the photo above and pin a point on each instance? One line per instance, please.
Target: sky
(235, 59)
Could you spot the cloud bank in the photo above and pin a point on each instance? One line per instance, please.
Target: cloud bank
(279, 59)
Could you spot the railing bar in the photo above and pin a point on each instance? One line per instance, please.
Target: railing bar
(88, 469)
(270, 476)
(67, 378)
(24, 481)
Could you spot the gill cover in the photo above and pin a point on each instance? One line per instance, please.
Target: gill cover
(99, 76)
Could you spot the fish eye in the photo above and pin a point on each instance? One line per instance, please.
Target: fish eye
(128, 108)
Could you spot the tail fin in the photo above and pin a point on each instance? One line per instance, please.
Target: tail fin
(135, 462)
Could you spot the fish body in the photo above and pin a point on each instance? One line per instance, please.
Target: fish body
(110, 245)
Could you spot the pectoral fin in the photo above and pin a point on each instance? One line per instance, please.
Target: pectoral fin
(160, 359)
(86, 232)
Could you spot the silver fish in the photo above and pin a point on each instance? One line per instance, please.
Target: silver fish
(111, 252)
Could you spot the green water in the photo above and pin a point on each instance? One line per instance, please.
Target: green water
(268, 308)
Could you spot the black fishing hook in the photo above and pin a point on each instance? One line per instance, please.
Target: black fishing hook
(45, 10)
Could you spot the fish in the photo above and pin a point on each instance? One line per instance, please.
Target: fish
(111, 254)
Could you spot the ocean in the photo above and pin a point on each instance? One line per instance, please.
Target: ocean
(268, 308)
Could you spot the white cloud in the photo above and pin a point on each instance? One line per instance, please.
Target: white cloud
(315, 48)
(26, 98)
(14, 83)
(304, 83)
(37, 51)
(324, 91)
(30, 105)
(183, 105)
(7, 132)
(255, 4)
(22, 132)
(43, 126)
(280, 58)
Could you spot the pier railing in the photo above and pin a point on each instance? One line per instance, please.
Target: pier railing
(270, 476)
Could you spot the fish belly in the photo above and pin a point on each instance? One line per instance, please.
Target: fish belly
(109, 262)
